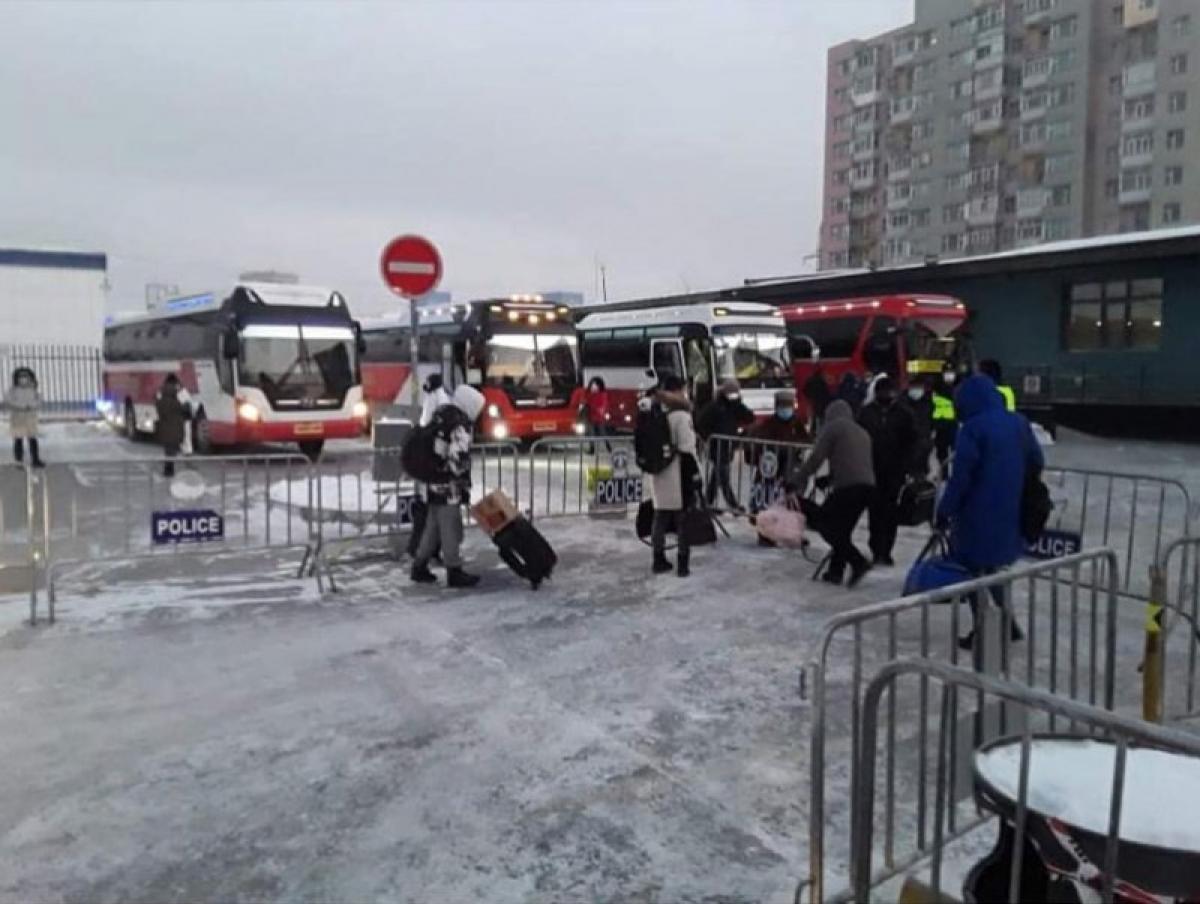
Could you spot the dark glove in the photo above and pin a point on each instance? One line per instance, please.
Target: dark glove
(941, 524)
(822, 483)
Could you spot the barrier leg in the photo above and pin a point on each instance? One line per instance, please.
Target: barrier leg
(1153, 660)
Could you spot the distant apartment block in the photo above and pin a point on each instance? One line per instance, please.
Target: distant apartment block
(985, 126)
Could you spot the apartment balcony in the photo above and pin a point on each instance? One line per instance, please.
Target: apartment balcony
(866, 125)
(899, 170)
(1032, 201)
(904, 52)
(862, 181)
(1136, 195)
(990, 92)
(898, 201)
(902, 110)
(1139, 80)
(1037, 16)
(862, 96)
(987, 126)
(861, 153)
(1029, 113)
(984, 211)
(1031, 235)
(1137, 159)
(1139, 122)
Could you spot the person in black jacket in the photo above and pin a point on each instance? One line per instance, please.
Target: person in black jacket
(920, 403)
(893, 452)
(171, 419)
(726, 415)
(817, 392)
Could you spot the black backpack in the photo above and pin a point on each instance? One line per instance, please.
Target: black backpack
(417, 455)
(652, 447)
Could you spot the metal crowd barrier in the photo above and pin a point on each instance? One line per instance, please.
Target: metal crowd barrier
(363, 497)
(1136, 514)
(563, 473)
(1070, 647)
(102, 510)
(1172, 641)
(905, 799)
(758, 468)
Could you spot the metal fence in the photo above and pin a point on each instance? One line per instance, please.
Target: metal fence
(1070, 623)
(891, 796)
(1138, 515)
(563, 475)
(68, 376)
(1172, 642)
(754, 470)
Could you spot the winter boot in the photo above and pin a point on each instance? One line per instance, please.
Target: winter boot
(421, 574)
(661, 563)
(456, 577)
(684, 559)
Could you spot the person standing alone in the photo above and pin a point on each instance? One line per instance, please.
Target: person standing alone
(172, 416)
(675, 489)
(23, 401)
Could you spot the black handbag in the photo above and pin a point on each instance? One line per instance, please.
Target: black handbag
(916, 502)
(697, 526)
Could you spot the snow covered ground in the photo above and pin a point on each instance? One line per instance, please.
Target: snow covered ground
(214, 729)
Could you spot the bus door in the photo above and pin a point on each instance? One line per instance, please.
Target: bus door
(700, 368)
(666, 360)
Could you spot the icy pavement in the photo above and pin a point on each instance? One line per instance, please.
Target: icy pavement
(613, 736)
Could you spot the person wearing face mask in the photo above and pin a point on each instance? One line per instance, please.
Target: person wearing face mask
(783, 427)
(920, 403)
(893, 454)
(726, 415)
(945, 422)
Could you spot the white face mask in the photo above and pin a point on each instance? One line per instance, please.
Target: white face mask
(915, 394)
(733, 396)
(949, 377)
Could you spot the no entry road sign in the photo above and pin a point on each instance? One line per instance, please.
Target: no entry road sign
(411, 265)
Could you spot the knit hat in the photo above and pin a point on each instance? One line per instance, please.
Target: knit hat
(785, 397)
(730, 387)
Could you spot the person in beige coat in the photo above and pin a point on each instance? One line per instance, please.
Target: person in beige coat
(23, 401)
(676, 487)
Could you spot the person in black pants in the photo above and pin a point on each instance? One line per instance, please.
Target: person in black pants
(847, 448)
(893, 450)
(726, 415)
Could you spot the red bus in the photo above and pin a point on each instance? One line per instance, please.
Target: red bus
(262, 363)
(520, 352)
(906, 336)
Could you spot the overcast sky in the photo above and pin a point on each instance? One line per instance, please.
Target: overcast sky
(678, 143)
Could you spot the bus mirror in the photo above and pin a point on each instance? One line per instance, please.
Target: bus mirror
(803, 349)
(650, 374)
(360, 341)
(232, 346)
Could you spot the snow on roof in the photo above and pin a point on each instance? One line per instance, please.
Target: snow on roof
(1065, 246)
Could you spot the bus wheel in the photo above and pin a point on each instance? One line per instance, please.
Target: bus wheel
(201, 435)
(312, 448)
(131, 431)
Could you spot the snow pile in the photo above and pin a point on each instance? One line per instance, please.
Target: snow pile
(1072, 780)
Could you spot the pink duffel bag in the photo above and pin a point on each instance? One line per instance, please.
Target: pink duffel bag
(782, 525)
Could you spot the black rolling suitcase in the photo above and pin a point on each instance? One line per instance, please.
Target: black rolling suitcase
(525, 551)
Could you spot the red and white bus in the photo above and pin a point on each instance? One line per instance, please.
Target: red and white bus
(520, 352)
(262, 363)
(905, 336)
(701, 344)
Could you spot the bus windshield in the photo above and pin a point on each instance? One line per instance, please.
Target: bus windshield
(755, 356)
(932, 343)
(531, 366)
(293, 364)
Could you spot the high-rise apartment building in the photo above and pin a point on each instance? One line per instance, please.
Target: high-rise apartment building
(994, 124)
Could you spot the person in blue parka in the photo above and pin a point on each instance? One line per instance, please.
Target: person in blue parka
(981, 505)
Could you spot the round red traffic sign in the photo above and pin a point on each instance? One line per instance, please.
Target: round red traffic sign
(411, 265)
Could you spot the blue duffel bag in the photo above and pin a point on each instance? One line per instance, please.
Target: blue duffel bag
(934, 569)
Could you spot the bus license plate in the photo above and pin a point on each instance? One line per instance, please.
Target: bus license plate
(315, 428)
(543, 428)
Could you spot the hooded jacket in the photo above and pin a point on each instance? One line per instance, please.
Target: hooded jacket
(847, 448)
(171, 416)
(982, 500)
(453, 425)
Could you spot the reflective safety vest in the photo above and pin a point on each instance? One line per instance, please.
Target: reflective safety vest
(1010, 397)
(943, 408)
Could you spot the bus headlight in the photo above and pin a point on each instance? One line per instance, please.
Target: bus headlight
(249, 412)
(493, 410)
(361, 410)
(579, 429)
(500, 431)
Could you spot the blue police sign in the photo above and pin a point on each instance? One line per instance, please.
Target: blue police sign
(1054, 544)
(404, 508)
(190, 526)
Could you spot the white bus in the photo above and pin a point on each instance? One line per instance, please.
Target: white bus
(262, 363)
(701, 344)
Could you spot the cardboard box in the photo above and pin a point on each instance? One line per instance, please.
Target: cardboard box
(494, 512)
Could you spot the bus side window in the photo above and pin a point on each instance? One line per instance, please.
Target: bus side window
(882, 351)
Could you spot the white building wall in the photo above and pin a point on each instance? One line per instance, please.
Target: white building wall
(51, 305)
